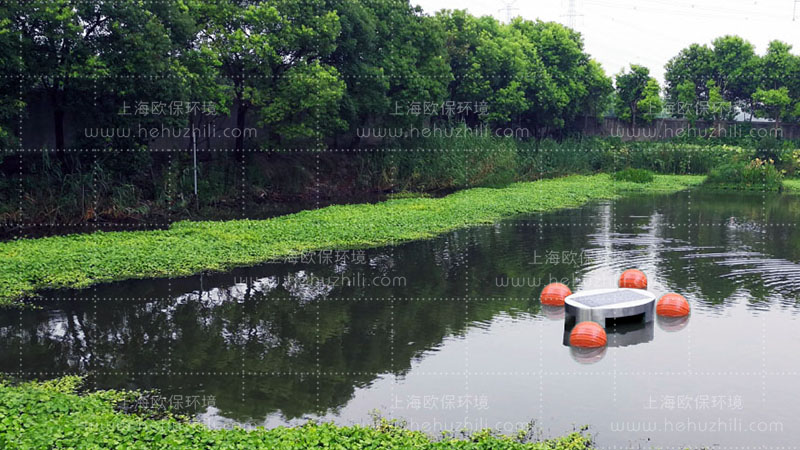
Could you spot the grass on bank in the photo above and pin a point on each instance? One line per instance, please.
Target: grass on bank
(634, 175)
(52, 415)
(80, 260)
(792, 185)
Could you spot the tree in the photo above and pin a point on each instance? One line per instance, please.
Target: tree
(650, 104)
(561, 51)
(10, 78)
(730, 73)
(532, 73)
(389, 55)
(494, 64)
(696, 64)
(718, 107)
(780, 69)
(630, 88)
(772, 103)
(271, 58)
(736, 67)
(599, 88)
(356, 57)
(411, 55)
(776, 65)
(464, 35)
(686, 95)
(76, 50)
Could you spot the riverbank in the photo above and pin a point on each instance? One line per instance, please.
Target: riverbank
(132, 191)
(186, 248)
(792, 185)
(51, 414)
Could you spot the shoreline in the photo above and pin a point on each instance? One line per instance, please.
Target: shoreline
(186, 248)
(52, 413)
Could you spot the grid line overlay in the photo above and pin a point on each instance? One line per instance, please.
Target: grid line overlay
(536, 225)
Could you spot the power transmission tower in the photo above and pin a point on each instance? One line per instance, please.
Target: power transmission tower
(572, 13)
(509, 8)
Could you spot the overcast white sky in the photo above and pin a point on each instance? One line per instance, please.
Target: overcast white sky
(649, 32)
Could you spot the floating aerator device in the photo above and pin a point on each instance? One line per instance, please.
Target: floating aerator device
(630, 308)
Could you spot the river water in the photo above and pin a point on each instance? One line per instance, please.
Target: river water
(448, 334)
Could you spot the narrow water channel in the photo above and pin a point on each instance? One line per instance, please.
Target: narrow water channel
(448, 334)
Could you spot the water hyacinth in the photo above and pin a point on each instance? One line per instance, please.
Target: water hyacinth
(186, 248)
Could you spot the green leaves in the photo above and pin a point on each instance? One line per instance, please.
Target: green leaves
(637, 89)
(730, 74)
(650, 105)
(772, 103)
(534, 74)
(35, 416)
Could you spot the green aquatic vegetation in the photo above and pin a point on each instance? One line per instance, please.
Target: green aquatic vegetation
(186, 248)
(35, 415)
(634, 175)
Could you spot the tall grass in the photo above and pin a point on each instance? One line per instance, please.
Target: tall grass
(159, 187)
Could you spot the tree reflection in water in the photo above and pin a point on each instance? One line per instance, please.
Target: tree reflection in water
(296, 339)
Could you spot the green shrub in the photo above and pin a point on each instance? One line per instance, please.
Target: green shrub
(668, 157)
(436, 162)
(757, 175)
(634, 175)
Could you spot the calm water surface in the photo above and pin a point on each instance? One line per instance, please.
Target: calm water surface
(448, 334)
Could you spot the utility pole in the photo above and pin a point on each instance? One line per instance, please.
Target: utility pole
(794, 12)
(572, 13)
(509, 8)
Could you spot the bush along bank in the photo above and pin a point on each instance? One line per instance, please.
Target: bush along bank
(186, 248)
(756, 175)
(158, 188)
(52, 415)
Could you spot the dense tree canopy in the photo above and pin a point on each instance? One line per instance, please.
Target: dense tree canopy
(311, 69)
(531, 73)
(730, 77)
(319, 69)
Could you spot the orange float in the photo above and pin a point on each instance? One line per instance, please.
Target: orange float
(634, 279)
(554, 294)
(673, 305)
(588, 335)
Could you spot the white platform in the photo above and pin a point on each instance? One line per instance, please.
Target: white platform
(597, 305)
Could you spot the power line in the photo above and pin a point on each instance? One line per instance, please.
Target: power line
(508, 9)
(693, 13)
